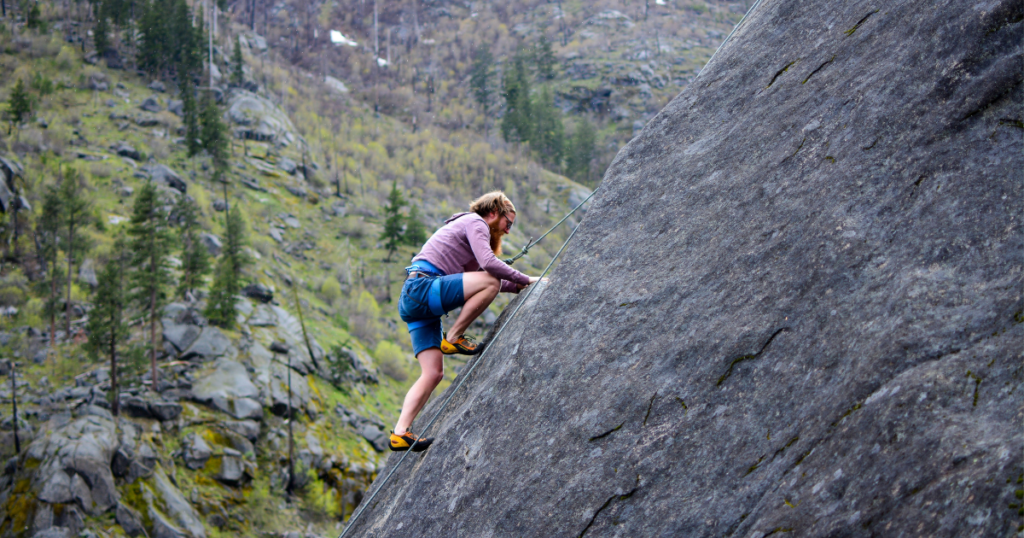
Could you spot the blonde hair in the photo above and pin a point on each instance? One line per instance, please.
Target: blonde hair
(492, 202)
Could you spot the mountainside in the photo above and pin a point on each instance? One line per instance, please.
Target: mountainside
(794, 309)
(310, 169)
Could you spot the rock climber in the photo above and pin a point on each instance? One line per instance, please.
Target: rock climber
(458, 266)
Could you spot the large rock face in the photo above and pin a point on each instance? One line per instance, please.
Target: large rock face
(794, 309)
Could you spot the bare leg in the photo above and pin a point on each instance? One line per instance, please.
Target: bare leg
(479, 289)
(432, 366)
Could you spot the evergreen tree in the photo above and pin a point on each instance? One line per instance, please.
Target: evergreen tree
(101, 36)
(415, 233)
(19, 105)
(107, 329)
(35, 17)
(480, 76)
(548, 132)
(150, 246)
(394, 221)
(75, 216)
(237, 74)
(190, 116)
(49, 226)
(169, 44)
(516, 126)
(195, 260)
(227, 282)
(580, 151)
(214, 135)
(544, 59)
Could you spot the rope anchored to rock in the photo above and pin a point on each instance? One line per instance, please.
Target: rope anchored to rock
(531, 242)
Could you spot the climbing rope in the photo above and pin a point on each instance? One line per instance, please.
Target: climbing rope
(531, 242)
(727, 38)
(462, 377)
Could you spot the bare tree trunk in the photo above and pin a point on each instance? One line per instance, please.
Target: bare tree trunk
(152, 337)
(67, 304)
(291, 438)
(14, 404)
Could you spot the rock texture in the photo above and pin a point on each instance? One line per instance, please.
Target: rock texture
(793, 310)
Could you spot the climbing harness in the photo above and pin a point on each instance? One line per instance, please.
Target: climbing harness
(462, 379)
(531, 242)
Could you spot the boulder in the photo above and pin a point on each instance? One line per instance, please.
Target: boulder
(87, 273)
(176, 107)
(258, 292)
(195, 451)
(212, 242)
(125, 150)
(229, 389)
(249, 429)
(157, 86)
(129, 520)
(164, 175)
(232, 470)
(263, 316)
(54, 532)
(287, 165)
(164, 411)
(210, 344)
(782, 310)
(73, 463)
(173, 513)
(259, 118)
(181, 336)
(151, 104)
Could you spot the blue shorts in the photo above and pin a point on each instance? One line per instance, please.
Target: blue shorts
(422, 303)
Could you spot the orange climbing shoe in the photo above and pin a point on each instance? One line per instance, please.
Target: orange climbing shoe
(463, 346)
(409, 440)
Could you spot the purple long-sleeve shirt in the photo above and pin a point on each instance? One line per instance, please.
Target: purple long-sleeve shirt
(463, 245)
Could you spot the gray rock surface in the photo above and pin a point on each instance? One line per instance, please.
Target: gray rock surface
(163, 174)
(211, 343)
(151, 104)
(259, 118)
(229, 389)
(213, 243)
(793, 309)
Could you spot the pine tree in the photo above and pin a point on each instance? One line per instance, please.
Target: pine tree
(169, 44)
(101, 36)
(580, 151)
(415, 233)
(237, 74)
(227, 283)
(19, 105)
(544, 59)
(214, 135)
(548, 131)
(195, 260)
(150, 245)
(75, 216)
(49, 226)
(394, 221)
(516, 126)
(190, 116)
(480, 76)
(107, 329)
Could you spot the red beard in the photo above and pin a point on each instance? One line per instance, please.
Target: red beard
(497, 230)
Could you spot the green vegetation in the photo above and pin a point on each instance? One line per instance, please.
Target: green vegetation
(231, 265)
(150, 247)
(18, 104)
(195, 259)
(107, 330)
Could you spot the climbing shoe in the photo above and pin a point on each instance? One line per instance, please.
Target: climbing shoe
(462, 346)
(407, 440)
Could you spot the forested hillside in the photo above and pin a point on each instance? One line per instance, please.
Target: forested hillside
(200, 260)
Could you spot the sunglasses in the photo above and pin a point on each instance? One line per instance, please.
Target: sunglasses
(510, 222)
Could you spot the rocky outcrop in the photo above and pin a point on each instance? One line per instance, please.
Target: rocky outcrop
(794, 307)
